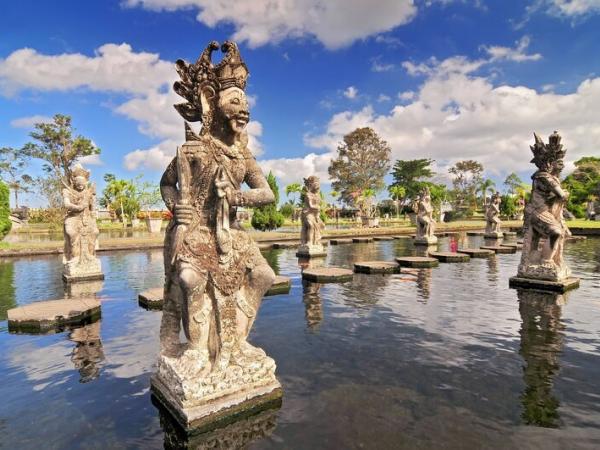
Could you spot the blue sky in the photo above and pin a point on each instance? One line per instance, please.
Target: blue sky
(443, 79)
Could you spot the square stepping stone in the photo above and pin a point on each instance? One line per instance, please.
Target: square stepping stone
(417, 261)
(477, 252)
(285, 244)
(340, 241)
(383, 238)
(450, 257)
(151, 298)
(553, 286)
(360, 240)
(328, 275)
(376, 267)
(281, 285)
(500, 249)
(42, 317)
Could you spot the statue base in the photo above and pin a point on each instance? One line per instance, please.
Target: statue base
(203, 398)
(493, 235)
(426, 240)
(311, 251)
(560, 286)
(82, 270)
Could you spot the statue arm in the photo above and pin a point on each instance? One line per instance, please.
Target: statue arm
(314, 201)
(69, 205)
(260, 192)
(168, 185)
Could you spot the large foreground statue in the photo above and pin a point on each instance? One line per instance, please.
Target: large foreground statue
(312, 225)
(425, 221)
(80, 229)
(492, 218)
(542, 263)
(215, 274)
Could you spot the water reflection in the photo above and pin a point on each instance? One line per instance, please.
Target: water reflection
(424, 283)
(310, 263)
(541, 343)
(84, 289)
(492, 265)
(423, 250)
(88, 353)
(313, 306)
(7, 289)
(237, 435)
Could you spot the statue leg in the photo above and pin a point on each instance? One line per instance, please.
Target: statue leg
(196, 311)
(554, 239)
(171, 319)
(260, 279)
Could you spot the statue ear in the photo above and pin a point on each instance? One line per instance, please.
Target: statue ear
(207, 97)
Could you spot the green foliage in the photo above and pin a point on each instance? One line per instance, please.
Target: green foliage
(512, 183)
(120, 196)
(5, 223)
(12, 166)
(410, 174)
(508, 206)
(467, 177)
(287, 209)
(266, 218)
(363, 160)
(7, 294)
(583, 184)
(293, 188)
(52, 216)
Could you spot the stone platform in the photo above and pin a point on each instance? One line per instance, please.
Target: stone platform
(376, 267)
(41, 317)
(361, 240)
(278, 245)
(151, 298)
(417, 262)
(340, 241)
(477, 252)
(475, 233)
(513, 245)
(500, 249)
(281, 285)
(554, 286)
(327, 274)
(450, 257)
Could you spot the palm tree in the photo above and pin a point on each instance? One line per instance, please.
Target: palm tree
(484, 186)
(397, 192)
(293, 188)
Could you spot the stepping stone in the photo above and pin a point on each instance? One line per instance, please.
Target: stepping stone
(340, 241)
(475, 233)
(281, 285)
(285, 244)
(553, 286)
(327, 274)
(417, 261)
(151, 298)
(576, 238)
(512, 244)
(500, 249)
(510, 234)
(401, 237)
(40, 317)
(360, 240)
(376, 267)
(476, 252)
(450, 257)
(383, 238)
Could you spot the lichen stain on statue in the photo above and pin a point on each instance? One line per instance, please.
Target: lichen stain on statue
(80, 229)
(492, 218)
(312, 225)
(544, 227)
(425, 221)
(215, 274)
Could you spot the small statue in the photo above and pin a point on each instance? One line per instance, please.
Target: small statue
(544, 228)
(80, 228)
(215, 274)
(425, 221)
(312, 225)
(492, 217)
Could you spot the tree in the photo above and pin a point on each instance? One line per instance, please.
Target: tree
(583, 184)
(55, 144)
(512, 183)
(120, 196)
(466, 178)
(267, 217)
(484, 186)
(410, 175)
(363, 160)
(397, 193)
(293, 188)
(12, 167)
(5, 222)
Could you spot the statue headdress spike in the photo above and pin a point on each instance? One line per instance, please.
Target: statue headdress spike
(79, 171)
(544, 154)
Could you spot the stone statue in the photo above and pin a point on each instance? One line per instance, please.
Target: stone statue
(80, 229)
(544, 230)
(312, 225)
(492, 217)
(215, 274)
(425, 221)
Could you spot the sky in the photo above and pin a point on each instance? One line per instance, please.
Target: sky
(441, 79)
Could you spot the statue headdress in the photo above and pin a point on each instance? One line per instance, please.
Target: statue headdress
(545, 154)
(200, 82)
(79, 171)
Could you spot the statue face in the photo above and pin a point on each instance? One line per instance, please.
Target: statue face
(79, 183)
(233, 106)
(558, 166)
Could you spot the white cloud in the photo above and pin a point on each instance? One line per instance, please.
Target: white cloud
(517, 54)
(351, 92)
(568, 8)
(383, 98)
(292, 170)
(30, 121)
(378, 66)
(154, 158)
(406, 95)
(335, 23)
(91, 160)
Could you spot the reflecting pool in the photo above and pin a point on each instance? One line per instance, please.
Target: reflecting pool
(446, 357)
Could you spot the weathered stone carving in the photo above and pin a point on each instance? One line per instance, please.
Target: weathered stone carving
(215, 274)
(544, 228)
(80, 229)
(492, 217)
(312, 225)
(425, 221)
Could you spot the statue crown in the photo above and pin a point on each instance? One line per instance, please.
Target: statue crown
(79, 171)
(544, 154)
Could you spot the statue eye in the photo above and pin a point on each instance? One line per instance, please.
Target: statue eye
(235, 101)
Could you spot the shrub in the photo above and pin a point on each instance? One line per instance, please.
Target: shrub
(5, 223)
(267, 217)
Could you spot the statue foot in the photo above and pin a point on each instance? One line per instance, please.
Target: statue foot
(195, 360)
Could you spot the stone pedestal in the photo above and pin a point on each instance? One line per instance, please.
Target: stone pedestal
(560, 286)
(311, 251)
(493, 235)
(200, 400)
(425, 240)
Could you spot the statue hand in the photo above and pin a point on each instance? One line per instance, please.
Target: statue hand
(183, 214)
